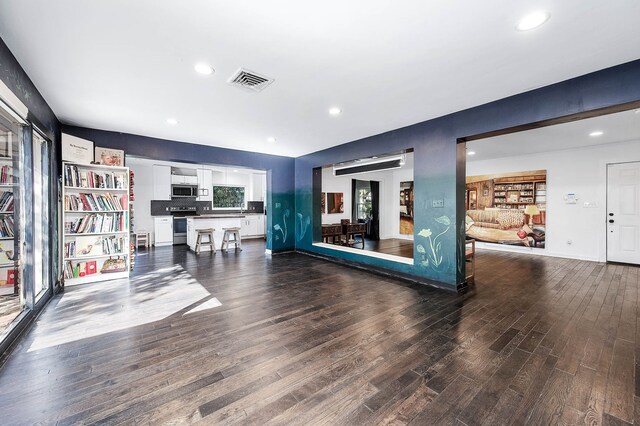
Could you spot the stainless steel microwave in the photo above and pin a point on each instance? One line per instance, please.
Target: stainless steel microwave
(184, 191)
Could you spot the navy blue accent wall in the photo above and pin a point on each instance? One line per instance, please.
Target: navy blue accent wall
(439, 165)
(12, 74)
(280, 185)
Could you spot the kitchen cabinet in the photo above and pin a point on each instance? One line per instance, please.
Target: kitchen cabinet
(258, 183)
(163, 230)
(252, 226)
(184, 180)
(205, 185)
(161, 182)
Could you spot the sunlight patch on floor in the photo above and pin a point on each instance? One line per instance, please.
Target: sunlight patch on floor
(212, 303)
(94, 309)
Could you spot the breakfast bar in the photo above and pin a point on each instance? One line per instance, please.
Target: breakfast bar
(214, 221)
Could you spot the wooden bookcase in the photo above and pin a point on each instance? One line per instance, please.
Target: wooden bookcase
(96, 223)
(517, 194)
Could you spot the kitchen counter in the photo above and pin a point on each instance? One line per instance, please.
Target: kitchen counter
(251, 226)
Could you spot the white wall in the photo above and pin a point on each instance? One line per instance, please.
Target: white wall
(143, 194)
(582, 171)
(389, 196)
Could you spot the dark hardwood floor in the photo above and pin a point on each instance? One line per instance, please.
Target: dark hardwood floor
(393, 246)
(248, 339)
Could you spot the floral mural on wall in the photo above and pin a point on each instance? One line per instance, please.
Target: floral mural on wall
(282, 227)
(430, 246)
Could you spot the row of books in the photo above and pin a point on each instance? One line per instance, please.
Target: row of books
(89, 179)
(97, 223)
(6, 226)
(79, 269)
(92, 202)
(6, 201)
(5, 175)
(88, 246)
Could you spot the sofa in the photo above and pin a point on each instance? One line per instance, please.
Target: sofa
(498, 226)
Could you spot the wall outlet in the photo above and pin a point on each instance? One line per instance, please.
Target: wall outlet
(569, 242)
(277, 205)
(437, 203)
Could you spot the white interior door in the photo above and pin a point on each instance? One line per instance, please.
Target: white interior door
(623, 213)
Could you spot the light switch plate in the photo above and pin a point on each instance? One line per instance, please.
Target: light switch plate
(437, 203)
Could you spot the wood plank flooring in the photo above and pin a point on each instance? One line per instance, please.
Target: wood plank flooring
(393, 246)
(242, 338)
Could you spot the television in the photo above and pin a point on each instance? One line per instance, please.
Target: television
(228, 197)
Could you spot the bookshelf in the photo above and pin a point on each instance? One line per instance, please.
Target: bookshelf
(518, 194)
(96, 220)
(9, 281)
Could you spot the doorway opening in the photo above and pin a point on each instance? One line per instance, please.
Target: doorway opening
(549, 190)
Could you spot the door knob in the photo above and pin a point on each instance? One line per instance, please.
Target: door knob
(611, 220)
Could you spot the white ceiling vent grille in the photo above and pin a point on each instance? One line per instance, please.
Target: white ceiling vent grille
(249, 80)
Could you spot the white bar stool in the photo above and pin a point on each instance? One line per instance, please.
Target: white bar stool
(208, 232)
(237, 240)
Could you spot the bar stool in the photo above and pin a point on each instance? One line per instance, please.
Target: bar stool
(142, 237)
(208, 232)
(237, 240)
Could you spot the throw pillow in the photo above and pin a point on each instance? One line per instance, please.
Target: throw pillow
(468, 223)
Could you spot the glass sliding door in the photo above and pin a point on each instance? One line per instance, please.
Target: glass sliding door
(41, 216)
(13, 298)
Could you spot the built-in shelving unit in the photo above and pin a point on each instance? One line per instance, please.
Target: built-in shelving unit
(519, 194)
(96, 223)
(8, 266)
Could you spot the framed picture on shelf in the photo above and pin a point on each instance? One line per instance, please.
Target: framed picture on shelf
(109, 157)
(76, 150)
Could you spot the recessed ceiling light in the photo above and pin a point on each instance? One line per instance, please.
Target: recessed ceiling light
(204, 69)
(533, 20)
(335, 111)
(172, 121)
(596, 134)
(271, 139)
(471, 153)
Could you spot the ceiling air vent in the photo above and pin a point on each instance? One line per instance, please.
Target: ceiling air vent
(249, 80)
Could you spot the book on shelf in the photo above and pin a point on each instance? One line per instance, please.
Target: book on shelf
(6, 175)
(6, 201)
(93, 202)
(96, 223)
(6, 226)
(74, 177)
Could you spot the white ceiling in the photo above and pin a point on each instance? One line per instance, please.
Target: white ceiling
(619, 127)
(128, 65)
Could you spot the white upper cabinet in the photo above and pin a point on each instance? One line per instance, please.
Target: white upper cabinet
(205, 185)
(184, 180)
(258, 181)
